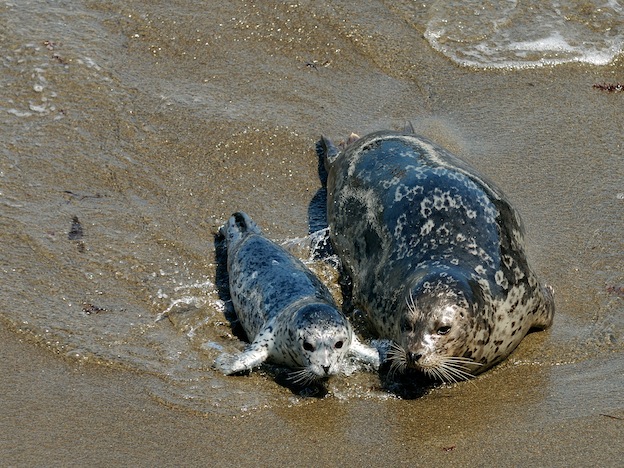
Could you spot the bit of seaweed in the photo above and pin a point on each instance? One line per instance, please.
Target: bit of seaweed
(75, 232)
(609, 87)
(616, 289)
(90, 309)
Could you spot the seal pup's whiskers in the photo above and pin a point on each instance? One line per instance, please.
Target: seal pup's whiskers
(303, 376)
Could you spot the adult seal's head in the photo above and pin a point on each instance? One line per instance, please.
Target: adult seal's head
(437, 326)
(435, 253)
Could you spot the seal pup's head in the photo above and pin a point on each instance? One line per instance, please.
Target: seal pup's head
(435, 328)
(322, 336)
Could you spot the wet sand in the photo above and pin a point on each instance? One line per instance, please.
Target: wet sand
(62, 414)
(180, 119)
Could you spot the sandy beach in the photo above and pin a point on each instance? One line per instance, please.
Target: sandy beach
(150, 123)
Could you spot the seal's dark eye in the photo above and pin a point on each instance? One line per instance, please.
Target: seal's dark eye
(308, 346)
(443, 330)
(338, 344)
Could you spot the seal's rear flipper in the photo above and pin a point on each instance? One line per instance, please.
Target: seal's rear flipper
(239, 225)
(546, 311)
(352, 139)
(327, 151)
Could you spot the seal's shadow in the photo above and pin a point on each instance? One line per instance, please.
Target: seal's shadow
(223, 288)
(411, 384)
(408, 386)
(278, 374)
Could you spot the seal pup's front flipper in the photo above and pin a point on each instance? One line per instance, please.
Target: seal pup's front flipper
(328, 151)
(364, 353)
(253, 356)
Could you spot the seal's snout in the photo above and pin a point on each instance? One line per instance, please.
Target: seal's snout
(326, 369)
(413, 358)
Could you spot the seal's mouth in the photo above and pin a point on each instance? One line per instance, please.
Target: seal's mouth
(307, 376)
(451, 369)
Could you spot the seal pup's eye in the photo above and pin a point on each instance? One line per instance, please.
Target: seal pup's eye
(338, 344)
(308, 346)
(443, 330)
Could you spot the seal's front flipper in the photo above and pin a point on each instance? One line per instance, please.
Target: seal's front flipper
(364, 353)
(252, 357)
(546, 311)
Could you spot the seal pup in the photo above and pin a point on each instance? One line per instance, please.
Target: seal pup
(434, 252)
(289, 316)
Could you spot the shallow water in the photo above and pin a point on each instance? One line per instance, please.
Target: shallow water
(132, 130)
(511, 34)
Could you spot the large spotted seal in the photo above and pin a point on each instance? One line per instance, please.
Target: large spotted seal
(287, 313)
(435, 254)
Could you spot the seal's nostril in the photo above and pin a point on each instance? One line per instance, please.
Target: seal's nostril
(414, 357)
(326, 369)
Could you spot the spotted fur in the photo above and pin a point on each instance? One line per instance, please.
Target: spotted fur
(435, 253)
(287, 313)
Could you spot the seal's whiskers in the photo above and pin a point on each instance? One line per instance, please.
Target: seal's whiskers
(397, 358)
(411, 305)
(303, 376)
(453, 369)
